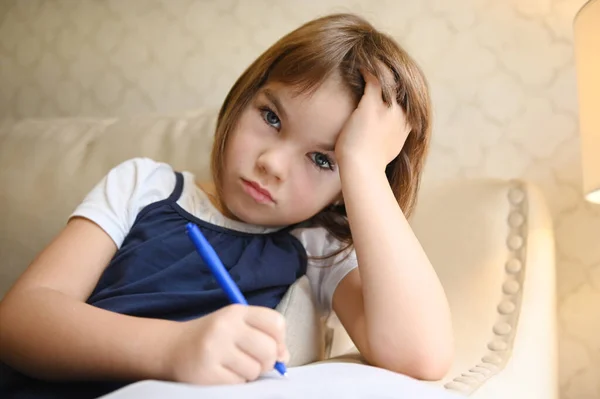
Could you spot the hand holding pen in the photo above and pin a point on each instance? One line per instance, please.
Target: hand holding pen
(235, 344)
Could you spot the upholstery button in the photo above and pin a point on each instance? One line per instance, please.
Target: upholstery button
(475, 376)
(488, 366)
(492, 358)
(480, 370)
(457, 386)
(515, 242)
(506, 307)
(466, 380)
(511, 287)
(513, 266)
(516, 195)
(497, 346)
(502, 328)
(516, 219)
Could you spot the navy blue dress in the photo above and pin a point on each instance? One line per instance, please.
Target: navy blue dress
(157, 273)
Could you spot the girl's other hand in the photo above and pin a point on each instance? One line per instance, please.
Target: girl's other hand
(375, 132)
(233, 345)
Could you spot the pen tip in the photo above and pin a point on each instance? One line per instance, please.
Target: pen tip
(280, 367)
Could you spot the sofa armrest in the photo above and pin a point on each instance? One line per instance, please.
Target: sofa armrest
(492, 244)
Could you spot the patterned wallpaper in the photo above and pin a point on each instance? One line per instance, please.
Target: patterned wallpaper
(501, 71)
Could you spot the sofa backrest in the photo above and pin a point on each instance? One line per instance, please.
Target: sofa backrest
(47, 166)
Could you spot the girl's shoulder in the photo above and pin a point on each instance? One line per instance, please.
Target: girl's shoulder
(114, 202)
(140, 171)
(329, 261)
(317, 240)
(138, 182)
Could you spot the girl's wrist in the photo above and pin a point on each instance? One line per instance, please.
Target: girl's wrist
(158, 348)
(359, 167)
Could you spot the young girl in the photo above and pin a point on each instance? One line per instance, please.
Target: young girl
(316, 163)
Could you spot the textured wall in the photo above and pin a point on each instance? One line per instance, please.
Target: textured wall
(501, 73)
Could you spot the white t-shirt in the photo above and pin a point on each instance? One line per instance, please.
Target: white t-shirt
(114, 203)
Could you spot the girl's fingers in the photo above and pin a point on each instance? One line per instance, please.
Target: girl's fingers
(241, 367)
(374, 89)
(269, 322)
(372, 86)
(261, 347)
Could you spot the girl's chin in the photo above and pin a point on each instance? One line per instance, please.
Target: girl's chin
(259, 217)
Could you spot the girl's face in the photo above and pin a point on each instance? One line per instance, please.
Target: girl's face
(280, 165)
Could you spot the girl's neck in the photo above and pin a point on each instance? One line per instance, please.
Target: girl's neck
(210, 190)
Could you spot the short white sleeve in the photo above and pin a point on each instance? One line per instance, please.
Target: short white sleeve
(325, 275)
(114, 203)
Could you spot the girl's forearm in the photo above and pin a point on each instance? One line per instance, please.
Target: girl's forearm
(406, 311)
(46, 334)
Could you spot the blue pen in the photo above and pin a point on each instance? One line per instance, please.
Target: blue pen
(215, 265)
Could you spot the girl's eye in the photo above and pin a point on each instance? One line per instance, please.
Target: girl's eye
(271, 118)
(321, 161)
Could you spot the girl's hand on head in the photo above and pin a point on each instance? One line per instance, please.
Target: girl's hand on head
(233, 345)
(375, 133)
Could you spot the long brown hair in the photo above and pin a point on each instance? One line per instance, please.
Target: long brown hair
(303, 59)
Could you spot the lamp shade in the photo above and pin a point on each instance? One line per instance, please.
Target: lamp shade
(586, 34)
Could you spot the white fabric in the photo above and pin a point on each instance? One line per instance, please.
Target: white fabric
(114, 203)
(316, 381)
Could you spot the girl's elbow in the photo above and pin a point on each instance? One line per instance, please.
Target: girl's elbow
(432, 367)
(424, 365)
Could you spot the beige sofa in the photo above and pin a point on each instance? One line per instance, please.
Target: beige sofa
(491, 242)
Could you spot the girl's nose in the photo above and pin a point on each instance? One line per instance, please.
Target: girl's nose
(274, 162)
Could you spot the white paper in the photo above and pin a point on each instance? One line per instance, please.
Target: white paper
(324, 380)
